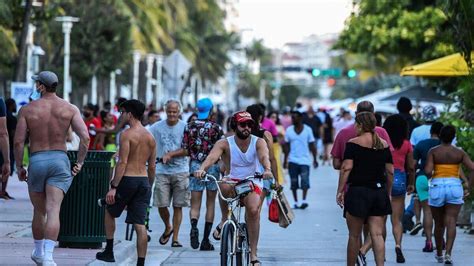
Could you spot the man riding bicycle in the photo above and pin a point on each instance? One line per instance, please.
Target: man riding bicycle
(243, 155)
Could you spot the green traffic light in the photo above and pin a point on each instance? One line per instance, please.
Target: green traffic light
(351, 73)
(316, 72)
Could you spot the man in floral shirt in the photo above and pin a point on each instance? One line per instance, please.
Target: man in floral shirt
(199, 138)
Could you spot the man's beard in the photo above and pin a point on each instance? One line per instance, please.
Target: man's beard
(241, 135)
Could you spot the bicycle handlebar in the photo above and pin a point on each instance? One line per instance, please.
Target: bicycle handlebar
(211, 178)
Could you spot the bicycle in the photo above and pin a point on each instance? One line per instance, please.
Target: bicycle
(234, 237)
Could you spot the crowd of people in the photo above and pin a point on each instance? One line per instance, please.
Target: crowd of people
(380, 166)
(167, 152)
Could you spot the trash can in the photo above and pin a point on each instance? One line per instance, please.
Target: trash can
(82, 220)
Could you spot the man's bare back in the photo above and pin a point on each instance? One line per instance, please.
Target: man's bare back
(48, 120)
(141, 149)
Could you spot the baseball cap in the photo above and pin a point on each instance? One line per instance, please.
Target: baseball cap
(297, 112)
(242, 116)
(204, 107)
(429, 113)
(48, 78)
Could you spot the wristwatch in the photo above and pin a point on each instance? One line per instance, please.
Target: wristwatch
(112, 185)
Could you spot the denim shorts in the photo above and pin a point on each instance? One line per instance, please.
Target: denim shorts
(399, 186)
(267, 184)
(422, 187)
(299, 170)
(196, 184)
(445, 190)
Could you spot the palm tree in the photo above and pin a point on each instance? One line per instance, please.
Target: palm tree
(205, 41)
(153, 22)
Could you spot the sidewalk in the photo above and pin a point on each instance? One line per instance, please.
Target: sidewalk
(16, 241)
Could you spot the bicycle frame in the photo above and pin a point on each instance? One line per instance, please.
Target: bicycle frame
(231, 219)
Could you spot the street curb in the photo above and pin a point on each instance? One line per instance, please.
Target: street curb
(122, 251)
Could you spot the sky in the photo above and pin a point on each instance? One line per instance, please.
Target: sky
(280, 21)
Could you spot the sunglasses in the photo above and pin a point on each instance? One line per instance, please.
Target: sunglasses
(246, 124)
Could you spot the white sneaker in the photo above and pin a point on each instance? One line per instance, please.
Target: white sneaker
(439, 259)
(49, 263)
(37, 259)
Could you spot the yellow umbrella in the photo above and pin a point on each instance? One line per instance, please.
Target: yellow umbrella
(448, 66)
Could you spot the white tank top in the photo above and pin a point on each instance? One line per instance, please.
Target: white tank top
(242, 164)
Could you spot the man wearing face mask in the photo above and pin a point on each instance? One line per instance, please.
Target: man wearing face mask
(46, 121)
(92, 123)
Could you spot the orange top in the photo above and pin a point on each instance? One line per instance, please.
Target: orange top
(446, 170)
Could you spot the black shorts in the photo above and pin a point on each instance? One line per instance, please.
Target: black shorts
(364, 202)
(133, 192)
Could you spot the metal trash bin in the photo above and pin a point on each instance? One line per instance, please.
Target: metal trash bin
(82, 220)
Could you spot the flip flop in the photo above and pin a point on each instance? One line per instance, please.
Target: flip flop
(164, 238)
(218, 230)
(176, 244)
(253, 262)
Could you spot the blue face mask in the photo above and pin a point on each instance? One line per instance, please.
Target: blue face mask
(36, 95)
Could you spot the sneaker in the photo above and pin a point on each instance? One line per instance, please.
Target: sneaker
(428, 247)
(361, 259)
(416, 229)
(194, 235)
(295, 206)
(104, 255)
(448, 260)
(49, 263)
(400, 257)
(439, 259)
(304, 206)
(206, 245)
(37, 259)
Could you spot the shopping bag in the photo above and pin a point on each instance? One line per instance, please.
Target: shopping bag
(273, 211)
(286, 215)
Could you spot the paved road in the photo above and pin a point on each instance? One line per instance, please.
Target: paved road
(318, 236)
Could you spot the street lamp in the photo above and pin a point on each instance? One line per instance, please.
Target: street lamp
(67, 26)
(136, 68)
(113, 86)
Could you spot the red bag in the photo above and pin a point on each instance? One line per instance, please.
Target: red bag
(273, 211)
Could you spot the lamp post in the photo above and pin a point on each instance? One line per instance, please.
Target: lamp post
(150, 59)
(136, 68)
(159, 83)
(67, 26)
(113, 86)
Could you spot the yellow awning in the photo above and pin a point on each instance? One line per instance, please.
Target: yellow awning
(448, 66)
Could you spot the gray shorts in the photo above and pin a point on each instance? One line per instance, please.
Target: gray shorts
(49, 167)
(172, 187)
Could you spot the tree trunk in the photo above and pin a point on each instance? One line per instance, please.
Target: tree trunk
(21, 64)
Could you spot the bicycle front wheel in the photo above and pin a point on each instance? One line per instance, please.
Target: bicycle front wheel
(243, 248)
(227, 240)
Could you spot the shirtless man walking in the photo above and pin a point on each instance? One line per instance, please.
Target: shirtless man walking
(240, 154)
(131, 185)
(46, 120)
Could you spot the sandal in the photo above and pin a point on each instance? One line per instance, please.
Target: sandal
(253, 262)
(218, 235)
(164, 238)
(176, 244)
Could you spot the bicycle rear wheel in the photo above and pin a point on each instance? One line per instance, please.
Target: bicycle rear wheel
(243, 247)
(227, 256)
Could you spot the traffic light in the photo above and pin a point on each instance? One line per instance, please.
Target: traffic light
(352, 73)
(315, 72)
(331, 82)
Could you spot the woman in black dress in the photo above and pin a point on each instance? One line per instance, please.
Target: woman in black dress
(365, 183)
